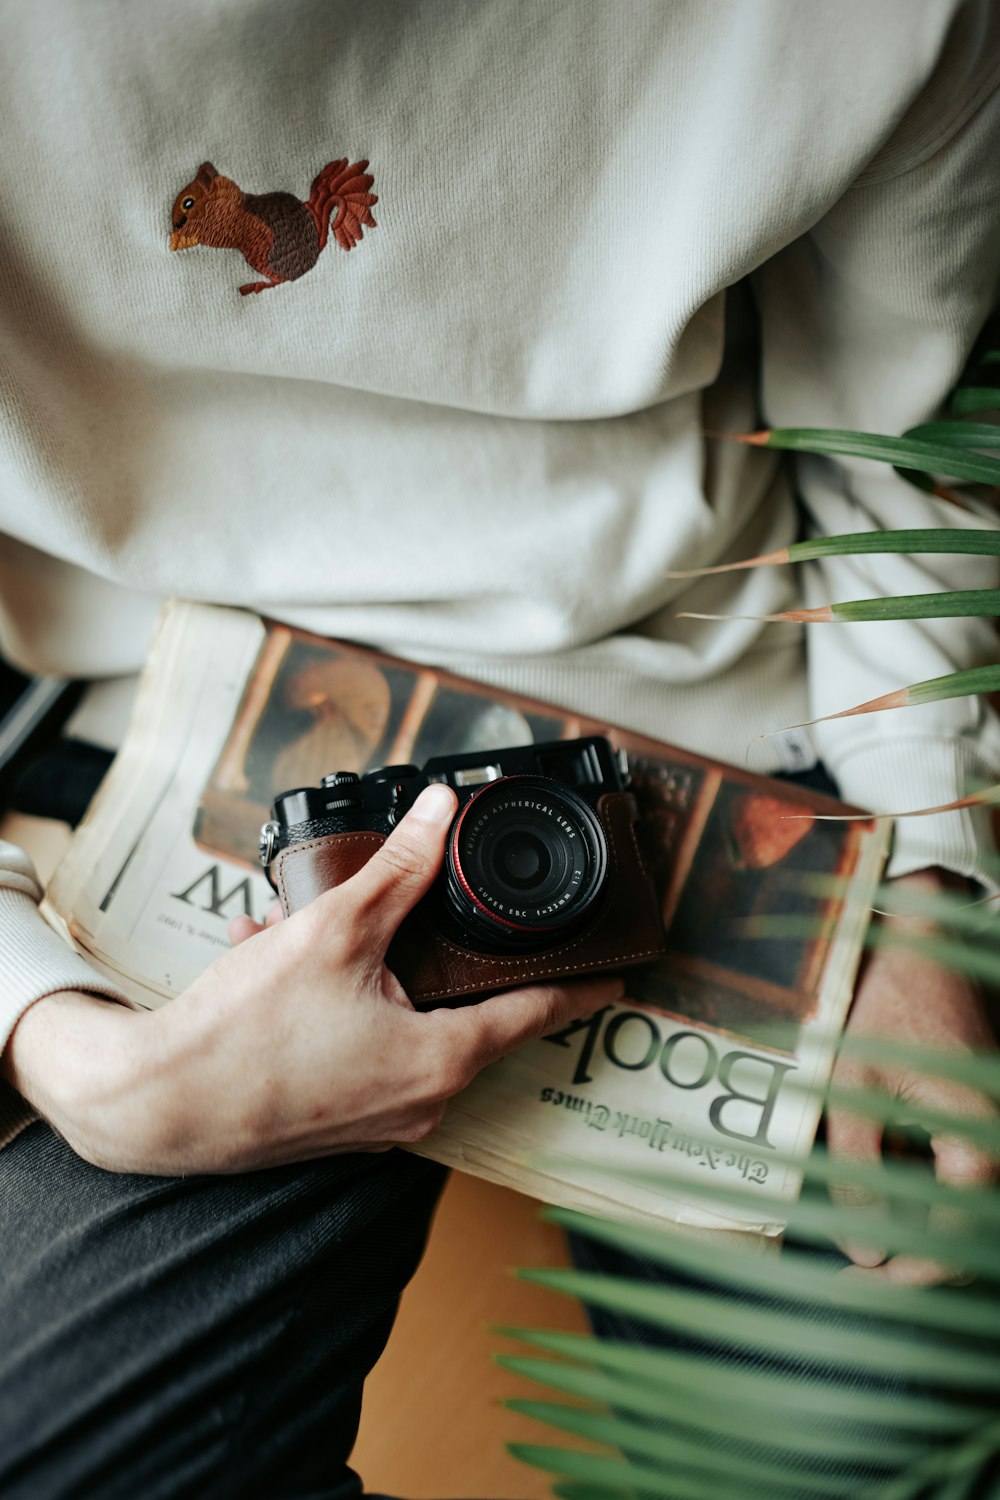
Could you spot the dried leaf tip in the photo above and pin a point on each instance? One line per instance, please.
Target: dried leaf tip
(899, 698)
(823, 615)
(766, 559)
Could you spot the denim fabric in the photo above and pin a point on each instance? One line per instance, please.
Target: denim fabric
(198, 1338)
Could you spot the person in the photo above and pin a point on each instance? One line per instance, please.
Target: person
(462, 411)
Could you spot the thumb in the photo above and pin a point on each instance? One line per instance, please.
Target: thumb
(403, 869)
(475, 1035)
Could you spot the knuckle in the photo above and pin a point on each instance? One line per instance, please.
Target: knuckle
(549, 1003)
(445, 1076)
(850, 1195)
(422, 1123)
(435, 1074)
(965, 1167)
(404, 859)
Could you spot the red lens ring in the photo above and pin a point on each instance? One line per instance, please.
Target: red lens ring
(460, 873)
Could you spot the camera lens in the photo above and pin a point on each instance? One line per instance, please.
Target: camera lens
(526, 861)
(522, 859)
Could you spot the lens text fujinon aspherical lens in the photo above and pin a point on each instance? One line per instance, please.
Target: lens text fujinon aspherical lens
(526, 863)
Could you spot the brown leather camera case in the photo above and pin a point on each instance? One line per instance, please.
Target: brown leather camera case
(625, 929)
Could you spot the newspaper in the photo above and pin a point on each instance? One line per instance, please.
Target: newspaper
(711, 1067)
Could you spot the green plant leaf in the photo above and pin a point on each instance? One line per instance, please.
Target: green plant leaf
(575, 1489)
(981, 798)
(709, 1382)
(978, 541)
(818, 1221)
(973, 398)
(959, 1432)
(977, 1070)
(945, 605)
(907, 453)
(813, 1435)
(958, 434)
(976, 961)
(798, 1277)
(763, 1417)
(977, 1129)
(967, 1455)
(971, 681)
(783, 1474)
(710, 1317)
(951, 909)
(588, 1466)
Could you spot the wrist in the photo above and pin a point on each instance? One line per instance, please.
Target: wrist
(76, 1060)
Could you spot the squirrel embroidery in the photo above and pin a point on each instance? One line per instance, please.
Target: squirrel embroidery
(280, 236)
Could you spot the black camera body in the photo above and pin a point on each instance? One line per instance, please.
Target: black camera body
(541, 875)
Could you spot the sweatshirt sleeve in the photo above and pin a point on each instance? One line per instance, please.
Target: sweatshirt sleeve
(867, 322)
(34, 962)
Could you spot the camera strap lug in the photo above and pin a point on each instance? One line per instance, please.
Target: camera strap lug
(268, 838)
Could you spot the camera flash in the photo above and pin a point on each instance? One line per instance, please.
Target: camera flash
(476, 775)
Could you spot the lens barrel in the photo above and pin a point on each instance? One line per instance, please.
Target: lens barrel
(527, 860)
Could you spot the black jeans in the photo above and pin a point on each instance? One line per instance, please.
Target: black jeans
(201, 1338)
(207, 1338)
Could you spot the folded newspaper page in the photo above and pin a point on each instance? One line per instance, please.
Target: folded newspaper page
(711, 1068)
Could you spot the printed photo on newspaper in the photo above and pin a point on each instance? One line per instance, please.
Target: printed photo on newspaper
(712, 1066)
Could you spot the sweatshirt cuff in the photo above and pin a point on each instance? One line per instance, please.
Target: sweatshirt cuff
(34, 961)
(898, 774)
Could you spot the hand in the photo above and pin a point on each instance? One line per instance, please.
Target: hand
(298, 1043)
(905, 996)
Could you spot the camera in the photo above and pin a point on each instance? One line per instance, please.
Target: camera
(542, 876)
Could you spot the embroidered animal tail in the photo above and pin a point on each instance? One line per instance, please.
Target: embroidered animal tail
(343, 188)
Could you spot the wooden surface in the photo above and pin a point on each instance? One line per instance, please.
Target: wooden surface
(432, 1424)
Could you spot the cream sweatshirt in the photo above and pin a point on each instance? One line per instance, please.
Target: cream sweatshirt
(471, 428)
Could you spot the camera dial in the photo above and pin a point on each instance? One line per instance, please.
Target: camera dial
(345, 790)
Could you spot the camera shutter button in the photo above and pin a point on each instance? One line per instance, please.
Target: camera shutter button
(341, 778)
(345, 785)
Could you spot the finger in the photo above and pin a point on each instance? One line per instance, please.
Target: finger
(403, 869)
(851, 1138)
(241, 928)
(907, 1270)
(959, 1163)
(274, 916)
(477, 1035)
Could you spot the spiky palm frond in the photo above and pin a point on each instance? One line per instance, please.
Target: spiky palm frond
(783, 1376)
